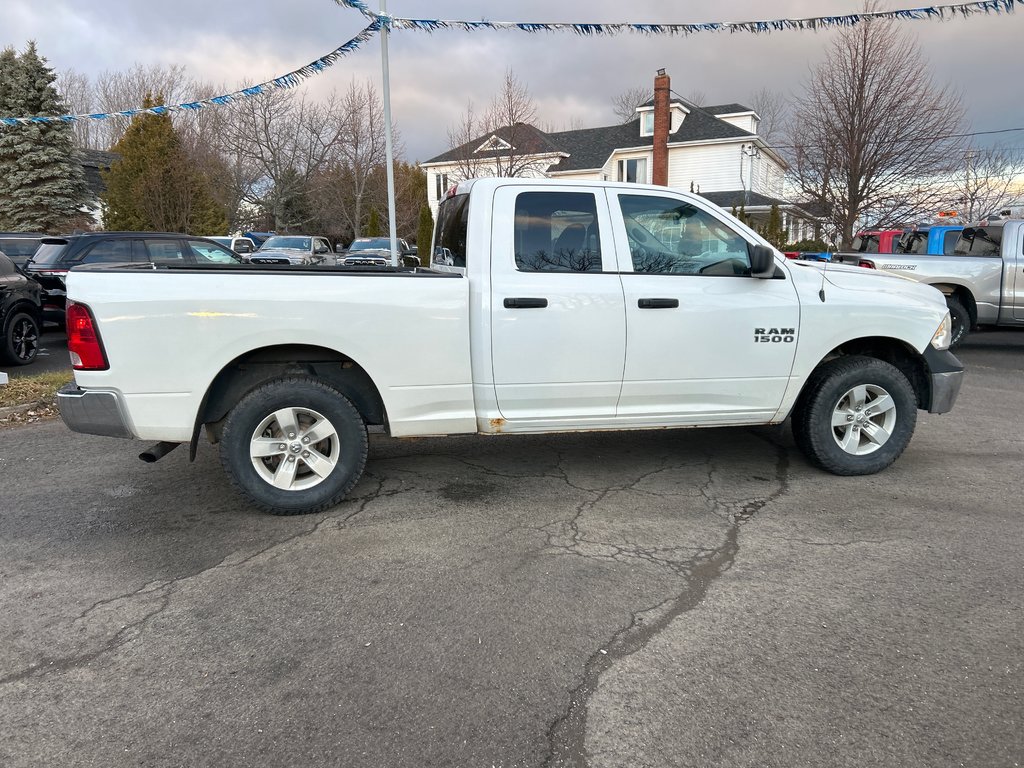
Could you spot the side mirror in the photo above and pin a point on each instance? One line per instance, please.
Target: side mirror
(762, 262)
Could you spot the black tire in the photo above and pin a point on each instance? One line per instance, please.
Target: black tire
(20, 343)
(826, 393)
(306, 398)
(961, 320)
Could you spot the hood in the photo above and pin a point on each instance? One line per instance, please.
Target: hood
(852, 278)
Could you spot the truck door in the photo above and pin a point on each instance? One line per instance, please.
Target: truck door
(558, 329)
(707, 343)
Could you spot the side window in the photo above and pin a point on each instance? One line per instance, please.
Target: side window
(164, 251)
(557, 232)
(451, 232)
(668, 236)
(109, 251)
(211, 253)
(949, 241)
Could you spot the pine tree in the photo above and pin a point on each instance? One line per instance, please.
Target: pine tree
(424, 232)
(154, 186)
(42, 185)
(773, 231)
(373, 227)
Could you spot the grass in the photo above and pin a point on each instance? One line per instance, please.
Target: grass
(29, 390)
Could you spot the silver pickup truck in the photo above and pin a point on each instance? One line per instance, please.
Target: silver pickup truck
(982, 280)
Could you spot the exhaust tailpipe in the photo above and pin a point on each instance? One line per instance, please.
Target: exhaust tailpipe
(157, 451)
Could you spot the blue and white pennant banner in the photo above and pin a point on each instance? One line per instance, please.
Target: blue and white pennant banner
(933, 12)
(289, 80)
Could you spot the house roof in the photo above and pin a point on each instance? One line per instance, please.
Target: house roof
(728, 109)
(591, 147)
(734, 198)
(526, 139)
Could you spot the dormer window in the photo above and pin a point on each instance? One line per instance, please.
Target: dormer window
(647, 123)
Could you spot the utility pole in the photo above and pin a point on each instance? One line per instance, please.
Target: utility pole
(388, 148)
(750, 151)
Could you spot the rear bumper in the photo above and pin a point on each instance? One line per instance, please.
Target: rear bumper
(92, 412)
(946, 373)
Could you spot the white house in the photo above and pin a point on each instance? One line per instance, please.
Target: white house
(715, 151)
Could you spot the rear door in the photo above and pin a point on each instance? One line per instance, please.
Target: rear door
(558, 332)
(1017, 255)
(707, 343)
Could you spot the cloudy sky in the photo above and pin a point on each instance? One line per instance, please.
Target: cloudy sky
(572, 79)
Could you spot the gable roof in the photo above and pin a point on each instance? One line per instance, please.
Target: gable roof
(526, 139)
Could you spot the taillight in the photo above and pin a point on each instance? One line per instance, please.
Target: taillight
(866, 264)
(791, 254)
(84, 340)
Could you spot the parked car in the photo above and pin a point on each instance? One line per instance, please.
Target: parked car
(240, 245)
(56, 255)
(981, 280)
(303, 250)
(376, 252)
(19, 246)
(20, 315)
(621, 306)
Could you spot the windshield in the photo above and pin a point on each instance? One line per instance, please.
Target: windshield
(287, 243)
(371, 244)
(979, 241)
(49, 252)
(222, 240)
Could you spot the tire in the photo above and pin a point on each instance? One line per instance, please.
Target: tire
(834, 423)
(282, 481)
(20, 343)
(961, 320)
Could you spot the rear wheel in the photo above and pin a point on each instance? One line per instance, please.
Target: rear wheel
(21, 339)
(294, 446)
(855, 416)
(961, 320)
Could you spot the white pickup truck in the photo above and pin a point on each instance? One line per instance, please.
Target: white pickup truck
(563, 307)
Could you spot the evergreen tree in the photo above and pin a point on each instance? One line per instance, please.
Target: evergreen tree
(424, 232)
(373, 227)
(42, 185)
(155, 186)
(773, 231)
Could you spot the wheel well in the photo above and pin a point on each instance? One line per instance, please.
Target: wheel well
(248, 371)
(891, 351)
(964, 295)
(23, 305)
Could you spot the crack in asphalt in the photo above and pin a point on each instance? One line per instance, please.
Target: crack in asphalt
(566, 735)
(47, 665)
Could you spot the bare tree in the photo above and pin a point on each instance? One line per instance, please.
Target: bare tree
(985, 181)
(696, 96)
(624, 104)
(79, 97)
(117, 91)
(771, 108)
(872, 130)
(283, 138)
(504, 141)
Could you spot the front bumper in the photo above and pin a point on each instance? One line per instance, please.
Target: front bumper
(946, 374)
(92, 412)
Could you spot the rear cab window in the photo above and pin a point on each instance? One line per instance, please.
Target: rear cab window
(451, 233)
(557, 232)
(979, 241)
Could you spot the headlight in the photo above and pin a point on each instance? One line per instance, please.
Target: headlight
(943, 334)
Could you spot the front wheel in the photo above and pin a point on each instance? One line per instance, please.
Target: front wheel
(960, 321)
(294, 446)
(855, 416)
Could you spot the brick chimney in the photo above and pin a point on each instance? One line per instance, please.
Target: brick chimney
(662, 123)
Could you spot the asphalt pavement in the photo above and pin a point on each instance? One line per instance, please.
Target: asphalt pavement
(666, 598)
(52, 356)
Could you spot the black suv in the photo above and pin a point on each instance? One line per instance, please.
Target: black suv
(19, 246)
(56, 255)
(20, 315)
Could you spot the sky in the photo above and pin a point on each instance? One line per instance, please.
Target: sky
(572, 79)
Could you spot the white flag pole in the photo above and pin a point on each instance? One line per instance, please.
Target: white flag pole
(388, 149)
